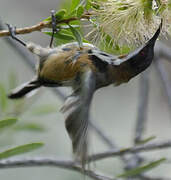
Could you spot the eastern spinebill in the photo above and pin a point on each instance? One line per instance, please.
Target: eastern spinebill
(85, 69)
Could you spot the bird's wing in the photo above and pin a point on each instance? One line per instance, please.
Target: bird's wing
(76, 111)
(103, 56)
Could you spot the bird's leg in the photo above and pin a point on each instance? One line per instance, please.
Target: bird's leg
(54, 28)
(12, 31)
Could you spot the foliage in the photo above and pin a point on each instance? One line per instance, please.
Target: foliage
(20, 150)
(142, 169)
(114, 26)
(12, 119)
(130, 25)
(69, 31)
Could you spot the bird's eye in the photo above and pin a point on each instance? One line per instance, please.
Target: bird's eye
(142, 53)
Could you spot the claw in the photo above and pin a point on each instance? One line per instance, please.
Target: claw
(12, 31)
(54, 28)
(53, 20)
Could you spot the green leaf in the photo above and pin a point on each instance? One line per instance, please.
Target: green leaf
(86, 41)
(108, 45)
(80, 11)
(30, 127)
(77, 35)
(3, 98)
(20, 150)
(59, 15)
(61, 35)
(74, 4)
(142, 169)
(144, 141)
(88, 5)
(7, 122)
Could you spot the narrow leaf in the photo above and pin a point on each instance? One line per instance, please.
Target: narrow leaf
(7, 122)
(80, 11)
(3, 98)
(88, 5)
(142, 169)
(60, 35)
(144, 141)
(77, 35)
(74, 4)
(60, 14)
(20, 150)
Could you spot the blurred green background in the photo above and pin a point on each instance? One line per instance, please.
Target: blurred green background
(113, 109)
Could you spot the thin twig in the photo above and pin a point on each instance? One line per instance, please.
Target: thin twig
(136, 159)
(143, 104)
(136, 149)
(165, 80)
(102, 135)
(52, 162)
(69, 164)
(107, 140)
(164, 51)
(42, 25)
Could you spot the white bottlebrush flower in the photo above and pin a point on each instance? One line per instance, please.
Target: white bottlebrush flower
(164, 12)
(129, 22)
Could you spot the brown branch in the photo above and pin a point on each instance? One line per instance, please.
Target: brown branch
(42, 25)
(26, 30)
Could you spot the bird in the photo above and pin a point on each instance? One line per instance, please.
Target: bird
(85, 69)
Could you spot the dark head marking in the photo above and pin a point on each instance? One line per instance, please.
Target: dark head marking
(100, 64)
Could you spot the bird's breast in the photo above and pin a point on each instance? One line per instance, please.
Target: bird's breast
(65, 67)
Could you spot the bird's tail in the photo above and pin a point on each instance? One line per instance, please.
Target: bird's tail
(24, 89)
(76, 111)
(76, 122)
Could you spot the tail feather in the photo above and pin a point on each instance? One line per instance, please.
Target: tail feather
(76, 112)
(76, 122)
(24, 89)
